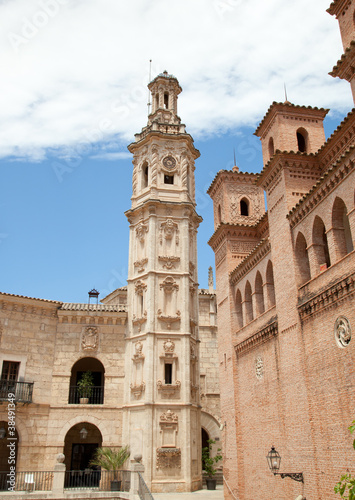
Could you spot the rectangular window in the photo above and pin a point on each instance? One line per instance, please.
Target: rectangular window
(10, 371)
(168, 179)
(168, 373)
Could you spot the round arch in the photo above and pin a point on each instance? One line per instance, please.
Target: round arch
(102, 426)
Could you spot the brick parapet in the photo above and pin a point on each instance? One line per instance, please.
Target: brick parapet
(324, 186)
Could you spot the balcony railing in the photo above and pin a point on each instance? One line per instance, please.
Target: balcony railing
(21, 390)
(96, 397)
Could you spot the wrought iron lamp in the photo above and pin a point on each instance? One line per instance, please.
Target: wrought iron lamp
(274, 461)
(83, 433)
(2, 432)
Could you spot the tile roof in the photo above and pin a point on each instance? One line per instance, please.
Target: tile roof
(31, 298)
(288, 105)
(72, 306)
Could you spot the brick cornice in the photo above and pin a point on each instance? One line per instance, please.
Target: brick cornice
(268, 332)
(250, 261)
(344, 68)
(338, 6)
(227, 231)
(234, 176)
(327, 298)
(334, 176)
(287, 159)
(289, 109)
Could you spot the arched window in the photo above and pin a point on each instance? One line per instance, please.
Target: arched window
(320, 243)
(302, 139)
(269, 284)
(145, 175)
(271, 147)
(239, 310)
(95, 394)
(302, 261)
(248, 303)
(219, 213)
(166, 100)
(259, 294)
(341, 229)
(244, 207)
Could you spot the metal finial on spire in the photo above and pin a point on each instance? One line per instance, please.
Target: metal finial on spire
(150, 79)
(286, 100)
(235, 168)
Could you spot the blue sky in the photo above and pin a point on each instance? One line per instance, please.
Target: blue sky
(70, 106)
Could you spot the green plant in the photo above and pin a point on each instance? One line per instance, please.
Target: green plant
(208, 461)
(85, 385)
(346, 486)
(111, 459)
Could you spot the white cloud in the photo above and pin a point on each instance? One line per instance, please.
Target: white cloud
(75, 71)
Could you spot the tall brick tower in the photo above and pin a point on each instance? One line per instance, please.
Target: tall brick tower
(162, 399)
(343, 10)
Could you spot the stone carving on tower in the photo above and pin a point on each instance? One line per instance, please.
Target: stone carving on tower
(162, 285)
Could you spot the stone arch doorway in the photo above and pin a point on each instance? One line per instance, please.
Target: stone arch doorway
(80, 444)
(7, 454)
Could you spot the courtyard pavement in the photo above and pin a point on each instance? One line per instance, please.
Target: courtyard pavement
(196, 495)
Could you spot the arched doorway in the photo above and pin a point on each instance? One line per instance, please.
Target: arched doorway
(81, 442)
(204, 440)
(97, 370)
(7, 454)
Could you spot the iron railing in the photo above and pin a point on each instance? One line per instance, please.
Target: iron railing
(21, 390)
(143, 490)
(96, 397)
(26, 481)
(103, 480)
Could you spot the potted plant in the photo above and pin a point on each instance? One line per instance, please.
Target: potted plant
(85, 387)
(112, 460)
(209, 463)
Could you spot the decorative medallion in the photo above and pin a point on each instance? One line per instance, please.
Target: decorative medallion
(169, 416)
(169, 346)
(90, 339)
(342, 331)
(259, 367)
(141, 229)
(169, 162)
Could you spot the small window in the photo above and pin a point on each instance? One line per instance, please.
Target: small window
(10, 371)
(168, 179)
(271, 147)
(302, 140)
(244, 208)
(168, 373)
(166, 101)
(145, 175)
(157, 101)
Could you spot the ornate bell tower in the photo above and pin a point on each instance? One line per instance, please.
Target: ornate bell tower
(162, 417)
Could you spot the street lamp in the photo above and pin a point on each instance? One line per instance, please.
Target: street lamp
(274, 460)
(2, 433)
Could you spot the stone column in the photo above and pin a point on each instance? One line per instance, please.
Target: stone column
(59, 476)
(136, 467)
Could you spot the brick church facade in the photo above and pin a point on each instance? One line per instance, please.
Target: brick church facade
(286, 297)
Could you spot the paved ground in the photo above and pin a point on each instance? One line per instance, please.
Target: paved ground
(196, 495)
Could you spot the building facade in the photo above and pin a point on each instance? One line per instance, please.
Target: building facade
(285, 297)
(151, 347)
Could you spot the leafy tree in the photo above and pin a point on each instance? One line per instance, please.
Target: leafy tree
(86, 384)
(208, 461)
(346, 486)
